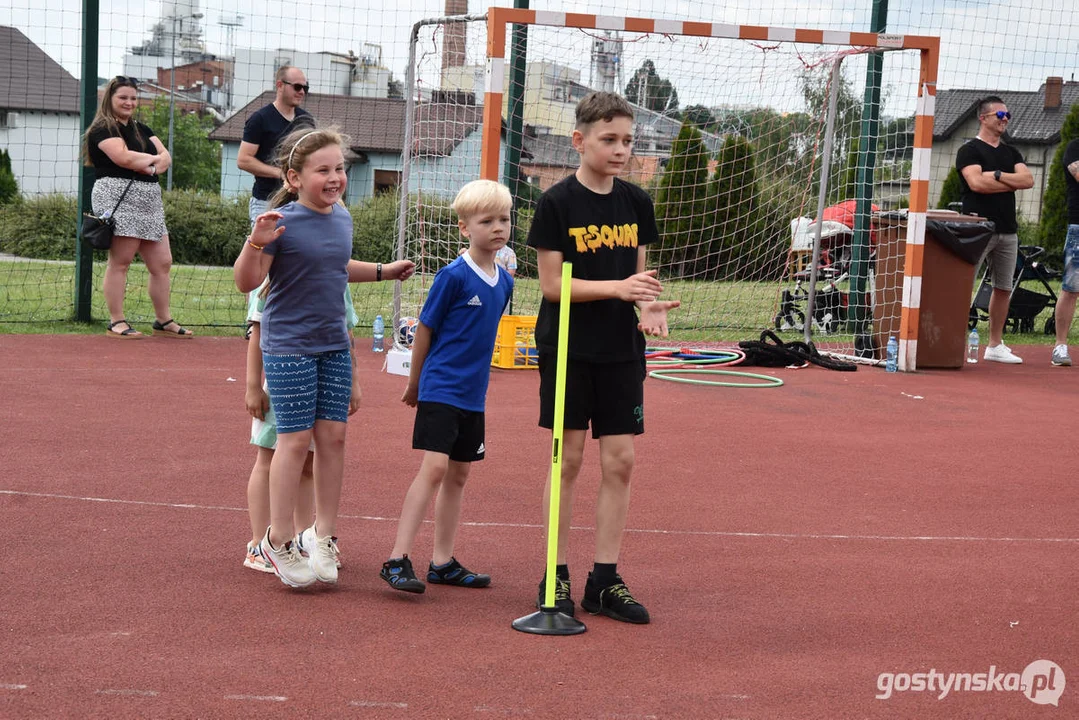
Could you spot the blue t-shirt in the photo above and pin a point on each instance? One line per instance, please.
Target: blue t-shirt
(462, 310)
(304, 314)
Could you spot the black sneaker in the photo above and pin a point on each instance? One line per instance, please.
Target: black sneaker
(563, 603)
(400, 576)
(456, 574)
(614, 601)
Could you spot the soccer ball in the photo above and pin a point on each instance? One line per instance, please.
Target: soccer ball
(406, 331)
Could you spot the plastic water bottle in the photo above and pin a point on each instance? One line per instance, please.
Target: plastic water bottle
(378, 341)
(891, 361)
(972, 346)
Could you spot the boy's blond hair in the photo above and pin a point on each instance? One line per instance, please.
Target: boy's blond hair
(596, 106)
(481, 196)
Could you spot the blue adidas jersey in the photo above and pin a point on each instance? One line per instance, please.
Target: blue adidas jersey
(462, 310)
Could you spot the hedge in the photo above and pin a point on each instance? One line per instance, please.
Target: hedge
(206, 229)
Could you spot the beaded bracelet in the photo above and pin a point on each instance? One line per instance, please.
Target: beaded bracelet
(257, 247)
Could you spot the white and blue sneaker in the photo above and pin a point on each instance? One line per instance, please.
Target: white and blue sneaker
(255, 561)
(1061, 358)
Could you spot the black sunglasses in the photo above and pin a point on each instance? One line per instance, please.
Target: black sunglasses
(298, 87)
(121, 80)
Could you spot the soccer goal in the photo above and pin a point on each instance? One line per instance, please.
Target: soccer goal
(749, 139)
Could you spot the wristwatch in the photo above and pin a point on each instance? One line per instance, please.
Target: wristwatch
(996, 175)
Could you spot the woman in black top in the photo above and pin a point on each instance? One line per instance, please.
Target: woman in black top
(122, 151)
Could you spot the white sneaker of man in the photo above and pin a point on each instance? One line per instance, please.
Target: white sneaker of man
(287, 563)
(1002, 354)
(1061, 358)
(320, 555)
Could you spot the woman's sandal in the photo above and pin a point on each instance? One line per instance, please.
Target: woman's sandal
(129, 334)
(159, 329)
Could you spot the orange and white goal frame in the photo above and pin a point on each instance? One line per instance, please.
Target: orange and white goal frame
(498, 20)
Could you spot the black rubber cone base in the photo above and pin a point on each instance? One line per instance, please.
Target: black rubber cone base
(548, 621)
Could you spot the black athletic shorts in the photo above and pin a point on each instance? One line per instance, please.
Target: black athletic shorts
(449, 430)
(610, 395)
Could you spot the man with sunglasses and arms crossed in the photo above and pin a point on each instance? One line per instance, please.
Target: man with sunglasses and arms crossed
(264, 130)
(990, 172)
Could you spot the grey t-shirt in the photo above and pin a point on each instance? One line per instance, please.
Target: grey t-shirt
(304, 314)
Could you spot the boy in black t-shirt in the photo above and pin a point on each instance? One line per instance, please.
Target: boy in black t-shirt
(602, 226)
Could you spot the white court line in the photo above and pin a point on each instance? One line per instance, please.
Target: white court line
(640, 531)
(377, 704)
(130, 693)
(10, 686)
(258, 698)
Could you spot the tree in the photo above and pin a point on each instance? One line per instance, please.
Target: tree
(733, 196)
(951, 190)
(1053, 225)
(9, 187)
(700, 116)
(647, 89)
(848, 117)
(196, 160)
(682, 205)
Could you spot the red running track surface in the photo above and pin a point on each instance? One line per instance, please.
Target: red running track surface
(792, 544)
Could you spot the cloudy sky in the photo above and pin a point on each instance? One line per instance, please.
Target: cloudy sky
(997, 44)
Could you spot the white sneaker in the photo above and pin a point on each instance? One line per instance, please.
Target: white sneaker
(287, 563)
(321, 555)
(255, 561)
(302, 542)
(1001, 354)
(1061, 358)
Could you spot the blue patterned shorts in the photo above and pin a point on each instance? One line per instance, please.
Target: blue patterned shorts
(1071, 260)
(305, 388)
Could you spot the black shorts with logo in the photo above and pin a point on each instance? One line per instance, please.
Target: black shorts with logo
(609, 395)
(449, 430)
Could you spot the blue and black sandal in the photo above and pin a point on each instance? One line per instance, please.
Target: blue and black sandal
(454, 573)
(399, 574)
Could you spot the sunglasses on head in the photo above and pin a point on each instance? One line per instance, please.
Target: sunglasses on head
(121, 80)
(1001, 115)
(299, 86)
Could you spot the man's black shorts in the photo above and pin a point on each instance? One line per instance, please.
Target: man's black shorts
(449, 430)
(610, 395)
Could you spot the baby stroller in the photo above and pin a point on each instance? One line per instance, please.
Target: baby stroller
(1026, 304)
(830, 305)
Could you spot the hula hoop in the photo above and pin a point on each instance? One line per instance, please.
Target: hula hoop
(668, 374)
(669, 358)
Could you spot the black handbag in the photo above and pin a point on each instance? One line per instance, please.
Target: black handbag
(97, 231)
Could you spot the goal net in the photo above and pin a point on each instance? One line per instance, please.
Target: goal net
(733, 142)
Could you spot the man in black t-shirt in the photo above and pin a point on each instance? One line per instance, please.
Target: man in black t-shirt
(264, 130)
(602, 226)
(989, 174)
(1069, 287)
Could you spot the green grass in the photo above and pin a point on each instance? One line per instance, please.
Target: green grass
(37, 297)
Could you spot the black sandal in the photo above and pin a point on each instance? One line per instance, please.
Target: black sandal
(129, 334)
(159, 329)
